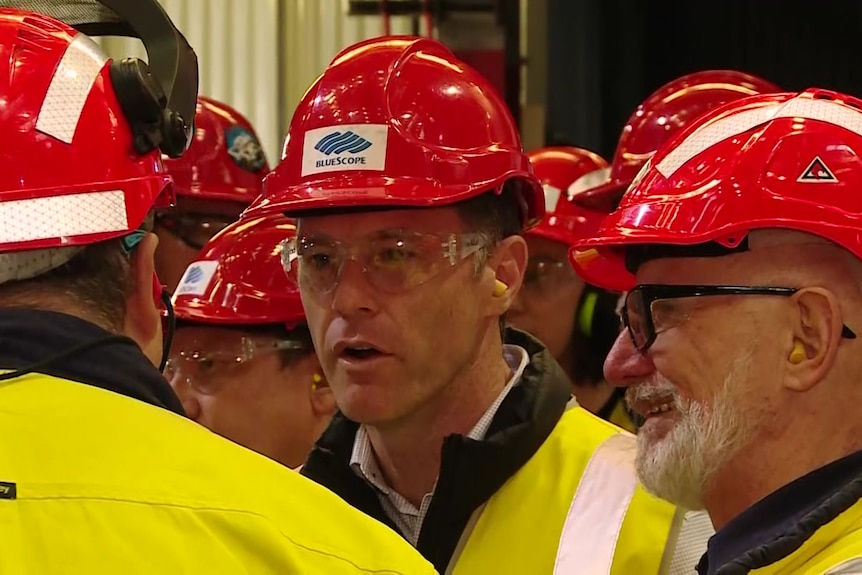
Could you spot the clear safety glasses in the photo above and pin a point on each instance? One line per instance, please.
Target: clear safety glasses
(205, 367)
(392, 261)
(545, 275)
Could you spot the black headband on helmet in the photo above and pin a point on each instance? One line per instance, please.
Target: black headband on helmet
(159, 97)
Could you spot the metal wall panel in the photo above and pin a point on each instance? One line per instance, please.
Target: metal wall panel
(315, 31)
(261, 55)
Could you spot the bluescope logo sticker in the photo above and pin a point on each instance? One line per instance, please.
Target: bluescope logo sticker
(344, 147)
(197, 278)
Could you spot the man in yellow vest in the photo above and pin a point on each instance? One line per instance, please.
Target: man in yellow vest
(406, 172)
(99, 470)
(739, 246)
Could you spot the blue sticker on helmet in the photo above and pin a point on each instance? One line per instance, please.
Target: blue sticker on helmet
(245, 149)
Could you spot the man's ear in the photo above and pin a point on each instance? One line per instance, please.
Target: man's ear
(508, 262)
(816, 338)
(322, 399)
(143, 313)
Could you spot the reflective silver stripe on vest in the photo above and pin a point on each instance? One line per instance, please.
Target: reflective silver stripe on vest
(849, 567)
(690, 542)
(595, 518)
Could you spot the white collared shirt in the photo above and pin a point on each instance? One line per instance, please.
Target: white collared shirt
(404, 514)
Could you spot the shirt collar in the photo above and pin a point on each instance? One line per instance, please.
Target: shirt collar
(362, 459)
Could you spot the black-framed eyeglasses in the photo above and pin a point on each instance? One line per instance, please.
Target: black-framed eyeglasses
(638, 313)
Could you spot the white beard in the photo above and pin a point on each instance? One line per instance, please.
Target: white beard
(679, 466)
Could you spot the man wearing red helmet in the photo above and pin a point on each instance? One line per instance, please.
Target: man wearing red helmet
(739, 246)
(411, 189)
(665, 112)
(661, 115)
(578, 323)
(215, 180)
(100, 470)
(242, 361)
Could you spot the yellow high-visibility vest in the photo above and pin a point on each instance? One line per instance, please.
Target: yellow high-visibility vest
(574, 508)
(95, 482)
(834, 549)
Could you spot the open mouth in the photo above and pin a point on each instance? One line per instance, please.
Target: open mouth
(360, 352)
(651, 402)
(658, 409)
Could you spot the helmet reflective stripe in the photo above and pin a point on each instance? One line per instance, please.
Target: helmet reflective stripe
(60, 216)
(73, 79)
(835, 113)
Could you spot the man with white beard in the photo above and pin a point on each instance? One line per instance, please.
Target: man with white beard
(739, 246)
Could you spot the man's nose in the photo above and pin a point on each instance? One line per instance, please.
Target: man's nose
(352, 293)
(625, 365)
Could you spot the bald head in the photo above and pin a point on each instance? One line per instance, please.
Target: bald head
(775, 257)
(788, 255)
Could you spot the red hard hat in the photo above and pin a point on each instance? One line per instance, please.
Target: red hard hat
(563, 172)
(664, 113)
(239, 278)
(772, 161)
(225, 160)
(71, 175)
(398, 121)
